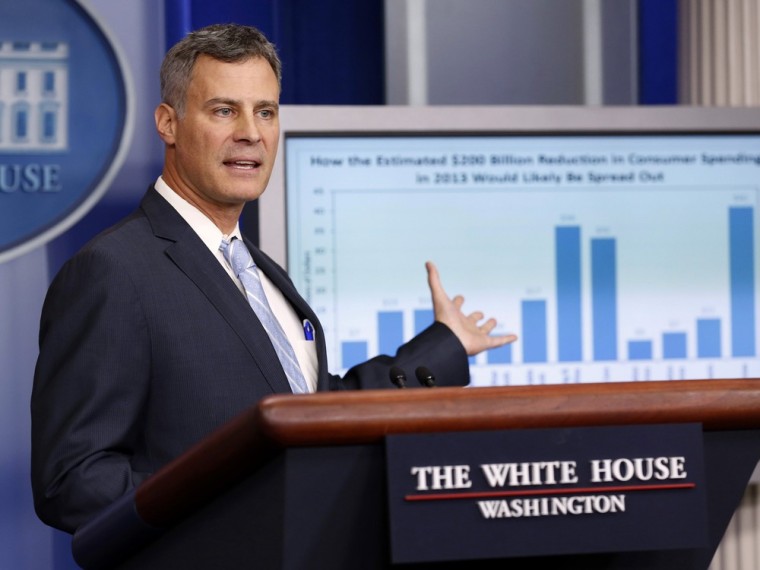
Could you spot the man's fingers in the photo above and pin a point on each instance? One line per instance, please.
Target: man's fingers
(476, 316)
(488, 326)
(434, 280)
(501, 340)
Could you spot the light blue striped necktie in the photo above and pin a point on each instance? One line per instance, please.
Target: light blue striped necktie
(239, 258)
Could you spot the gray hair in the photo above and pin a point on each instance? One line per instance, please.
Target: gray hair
(230, 43)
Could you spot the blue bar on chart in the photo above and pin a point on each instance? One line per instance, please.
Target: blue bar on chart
(353, 352)
(390, 331)
(534, 332)
(708, 338)
(604, 298)
(423, 318)
(674, 345)
(742, 270)
(500, 355)
(567, 241)
(639, 350)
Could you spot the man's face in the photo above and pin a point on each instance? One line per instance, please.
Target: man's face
(221, 152)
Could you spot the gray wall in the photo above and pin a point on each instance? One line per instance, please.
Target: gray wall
(513, 52)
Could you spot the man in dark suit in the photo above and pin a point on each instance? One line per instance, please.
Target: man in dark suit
(147, 339)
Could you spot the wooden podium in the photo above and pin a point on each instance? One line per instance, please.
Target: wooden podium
(298, 482)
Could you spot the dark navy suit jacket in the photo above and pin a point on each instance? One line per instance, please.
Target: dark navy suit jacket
(146, 346)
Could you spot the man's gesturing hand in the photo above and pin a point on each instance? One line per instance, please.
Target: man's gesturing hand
(474, 335)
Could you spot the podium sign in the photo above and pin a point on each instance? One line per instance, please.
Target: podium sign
(539, 492)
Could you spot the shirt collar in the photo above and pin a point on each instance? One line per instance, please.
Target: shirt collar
(209, 233)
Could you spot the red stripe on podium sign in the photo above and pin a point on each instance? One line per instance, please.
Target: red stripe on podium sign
(524, 493)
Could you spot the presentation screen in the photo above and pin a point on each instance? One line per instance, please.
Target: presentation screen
(614, 254)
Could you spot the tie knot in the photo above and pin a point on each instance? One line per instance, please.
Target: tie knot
(237, 255)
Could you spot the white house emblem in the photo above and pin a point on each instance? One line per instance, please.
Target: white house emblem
(33, 97)
(65, 119)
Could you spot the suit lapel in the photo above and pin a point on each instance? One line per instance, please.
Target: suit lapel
(193, 258)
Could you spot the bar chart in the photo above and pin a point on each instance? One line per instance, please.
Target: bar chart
(575, 309)
(600, 282)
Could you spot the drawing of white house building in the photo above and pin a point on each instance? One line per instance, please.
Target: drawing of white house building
(33, 96)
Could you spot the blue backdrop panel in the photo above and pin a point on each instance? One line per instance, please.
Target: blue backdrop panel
(658, 52)
(332, 51)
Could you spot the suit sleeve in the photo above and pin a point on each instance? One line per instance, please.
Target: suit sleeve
(436, 348)
(90, 387)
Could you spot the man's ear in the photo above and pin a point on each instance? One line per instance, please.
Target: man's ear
(166, 122)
